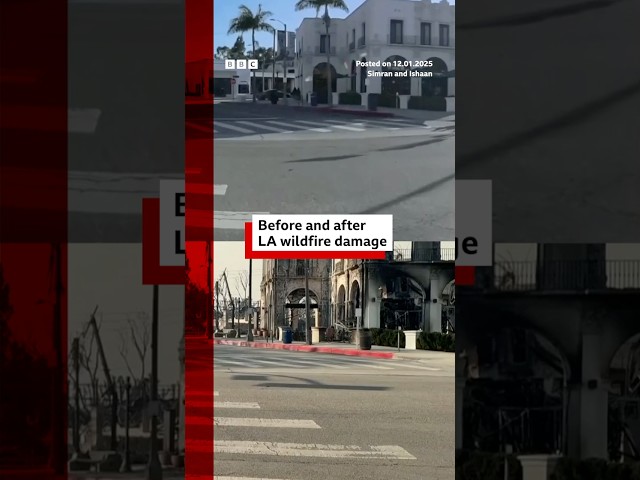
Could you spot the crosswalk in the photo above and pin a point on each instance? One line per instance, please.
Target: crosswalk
(245, 127)
(323, 362)
(232, 438)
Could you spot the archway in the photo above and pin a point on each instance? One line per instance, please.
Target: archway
(437, 85)
(363, 77)
(340, 304)
(296, 306)
(354, 301)
(515, 392)
(449, 307)
(320, 81)
(624, 402)
(392, 85)
(404, 299)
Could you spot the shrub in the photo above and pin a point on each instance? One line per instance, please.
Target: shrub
(593, 469)
(350, 98)
(438, 104)
(299, 336)
(388, 100)
(386, 338)
(443, 342)
(486, 466)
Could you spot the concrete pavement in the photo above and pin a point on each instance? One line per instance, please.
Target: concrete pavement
(289, 415)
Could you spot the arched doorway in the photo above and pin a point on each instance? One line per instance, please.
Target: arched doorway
(403, 301)
(320, 81)
(437, 85)
(393, 85)
(624, 402)
(363, 77)
(340, 304)
(515, 392)
(354, 301)
(296, 307)
(449, 307)
(354, 75)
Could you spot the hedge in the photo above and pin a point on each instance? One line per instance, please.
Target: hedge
(438, 104)
(350, 98)
(490, 466)
(443, 342)
(486, 466)
(388, 100)
(595, 469)
(426, 341)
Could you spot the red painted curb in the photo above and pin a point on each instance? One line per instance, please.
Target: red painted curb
(307, 348)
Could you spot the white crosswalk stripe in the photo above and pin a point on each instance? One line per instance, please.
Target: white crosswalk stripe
(264, 126)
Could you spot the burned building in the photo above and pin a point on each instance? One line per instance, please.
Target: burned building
(548, 353)
(413, 289)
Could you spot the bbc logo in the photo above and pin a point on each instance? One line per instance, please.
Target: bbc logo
(241, 64)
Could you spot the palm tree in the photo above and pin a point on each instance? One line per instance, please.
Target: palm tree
(247, 21)
(318, 5)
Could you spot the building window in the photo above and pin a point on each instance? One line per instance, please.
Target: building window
(396, 31)
(425, 33)
(444, 35)
(324, 43)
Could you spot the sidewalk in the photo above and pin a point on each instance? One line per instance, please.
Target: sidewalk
(335, 348)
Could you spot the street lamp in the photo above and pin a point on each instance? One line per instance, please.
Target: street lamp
(327, 23)
(284, 61)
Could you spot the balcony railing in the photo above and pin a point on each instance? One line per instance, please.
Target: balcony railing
(402, 40)
(566, 275)
(323, 51)
(436, 254)
(361, 42)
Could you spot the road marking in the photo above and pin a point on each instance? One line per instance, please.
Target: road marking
(237, 405)
(282, 124)
(83, 120)
(432, 369)
(315, 124)
(232, 127)
(230, 362)
(220, 189)
(266, 127)
(345, 127)
(391, 452)
(264, 423)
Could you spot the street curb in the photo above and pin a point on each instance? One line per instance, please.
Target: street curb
(352, 352)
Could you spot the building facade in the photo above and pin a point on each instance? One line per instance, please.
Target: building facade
(393, 31)
(282, 298)
(412, 289)
(203, 82)
(550, 344)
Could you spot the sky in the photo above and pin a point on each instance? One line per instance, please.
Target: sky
(225, 11)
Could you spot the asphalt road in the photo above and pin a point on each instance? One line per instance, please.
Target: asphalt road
(323, 163)
(290, 415)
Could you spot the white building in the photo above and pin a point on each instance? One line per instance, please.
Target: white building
(202, 81)
(380, 31)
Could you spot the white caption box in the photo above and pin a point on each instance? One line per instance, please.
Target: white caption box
(241, 64)
(333, 233)
(253, 64)
(230, 64)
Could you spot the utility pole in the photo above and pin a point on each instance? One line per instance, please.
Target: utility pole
(154, 469)
(250, 332)
(307, 302)
(273, 60)
(76, 413)
(209, 294)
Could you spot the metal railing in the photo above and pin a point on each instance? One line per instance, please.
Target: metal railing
(403, 39)
(566, 275)
(428, 254)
